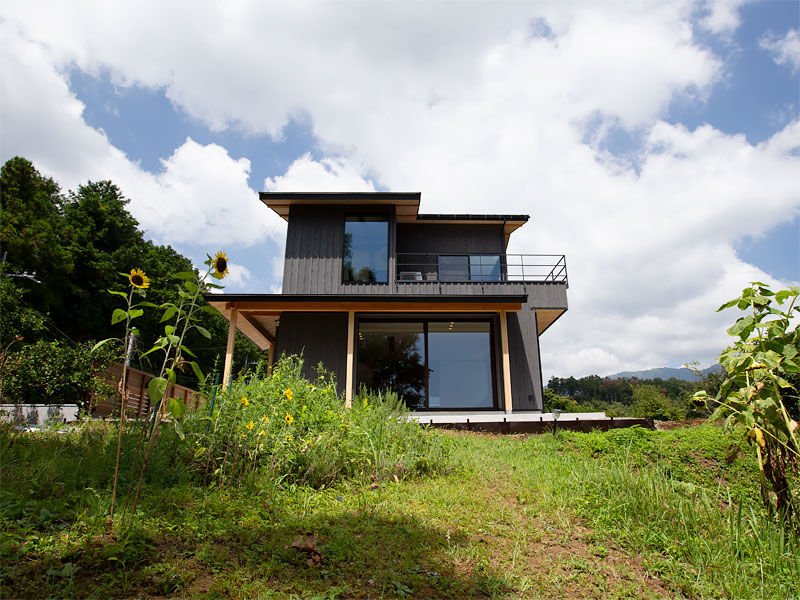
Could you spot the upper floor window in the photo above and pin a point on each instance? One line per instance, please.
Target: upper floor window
(473, 267)
(366, 249)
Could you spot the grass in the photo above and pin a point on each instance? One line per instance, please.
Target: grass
(624, 514)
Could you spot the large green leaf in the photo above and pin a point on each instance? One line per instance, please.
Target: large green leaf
(203, 331)
(176, 408)
(198, 373)
(156, 389)
(168, 313)
(118, 315)
(101, 343)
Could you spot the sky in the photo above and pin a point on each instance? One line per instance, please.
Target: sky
(656, 144)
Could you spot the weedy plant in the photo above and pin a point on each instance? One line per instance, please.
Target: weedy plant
(757, 391)
(287, 427)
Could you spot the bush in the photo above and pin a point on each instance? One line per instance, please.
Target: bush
(289, 427)
(651, 403)
(55, 373)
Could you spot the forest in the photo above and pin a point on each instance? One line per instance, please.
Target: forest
(62, 252)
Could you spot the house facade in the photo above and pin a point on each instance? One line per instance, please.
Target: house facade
(428, 305)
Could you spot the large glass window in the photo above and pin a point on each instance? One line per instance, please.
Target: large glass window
(431, 364)
(391, 356)
(473, 267)
(366, 249)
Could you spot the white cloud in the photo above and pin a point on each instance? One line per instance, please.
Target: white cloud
(722, 16)
(481, 107)
(326, 175)
(785, 50)
(238, 276)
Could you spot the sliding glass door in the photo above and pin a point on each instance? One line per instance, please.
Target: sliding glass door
(431, 363)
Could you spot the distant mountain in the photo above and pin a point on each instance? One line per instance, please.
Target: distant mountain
(665, 373)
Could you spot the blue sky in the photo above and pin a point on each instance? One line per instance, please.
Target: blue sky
(656, 145)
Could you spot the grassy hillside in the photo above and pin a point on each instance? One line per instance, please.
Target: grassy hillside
(624, 514)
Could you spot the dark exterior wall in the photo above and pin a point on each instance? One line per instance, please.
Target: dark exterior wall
(523, 347)
(446, 238)
(314, 247)
(319, 337)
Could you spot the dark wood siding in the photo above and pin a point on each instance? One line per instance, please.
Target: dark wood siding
(319, 337)
(523, 342)
(314, 246)
(446, 238)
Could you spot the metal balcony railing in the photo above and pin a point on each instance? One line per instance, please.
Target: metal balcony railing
(529, 268)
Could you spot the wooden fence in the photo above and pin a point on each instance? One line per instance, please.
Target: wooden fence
(138, 403)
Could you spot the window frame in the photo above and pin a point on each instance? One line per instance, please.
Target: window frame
(375, 218)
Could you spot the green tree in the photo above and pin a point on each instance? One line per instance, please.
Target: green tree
(649, 402)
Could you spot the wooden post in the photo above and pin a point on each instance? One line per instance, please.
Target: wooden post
(226, 372)
(351, 334)
(506, 361)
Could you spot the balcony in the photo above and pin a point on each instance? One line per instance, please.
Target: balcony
(481, 268)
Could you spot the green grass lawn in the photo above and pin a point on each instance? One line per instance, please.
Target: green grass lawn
(624, 514)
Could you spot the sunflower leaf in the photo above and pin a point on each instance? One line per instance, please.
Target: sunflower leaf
(191, 286)
(135, 312)
(169, 329)
(215, 286)
(171, 375)
(118, 315)
(198, 373)
(116, 293)
(179, 429)
(156, 389)
(185, 275)
(185, 349)
(101, 343)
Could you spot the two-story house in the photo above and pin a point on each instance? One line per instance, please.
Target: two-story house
(428, 305)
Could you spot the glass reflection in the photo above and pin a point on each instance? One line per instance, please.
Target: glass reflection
(366, 249)
(392, 356)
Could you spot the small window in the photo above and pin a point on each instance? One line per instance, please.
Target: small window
(474, 267)
(366, 249)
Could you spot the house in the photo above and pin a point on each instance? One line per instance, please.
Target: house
(429, 305)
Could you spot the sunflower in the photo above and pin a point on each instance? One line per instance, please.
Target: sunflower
(288, 393)
(138, 279)
(220, 265)
(245, 401)
(289, 418)
(262, 432)
(250, 425)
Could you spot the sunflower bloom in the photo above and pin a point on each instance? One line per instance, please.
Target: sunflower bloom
(250, 425)
(245, 401)
(289, 437)
(262, 432)
(219, 265)
(265, 418)
(244, 435)
(288, 393)
(289, 418)
(138, 279)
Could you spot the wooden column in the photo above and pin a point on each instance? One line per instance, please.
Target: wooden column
(226, 373)
(351, 334)
(506, 361)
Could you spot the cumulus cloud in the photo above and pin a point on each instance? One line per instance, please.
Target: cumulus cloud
(785, 50)
(326, 175)
(481, 107)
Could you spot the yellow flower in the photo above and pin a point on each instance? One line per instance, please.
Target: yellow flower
(244, 435)
(245, 401)
(288, 437)
(250, 425)
(220, 265)
(265, 418)
(289, 418)
(262, 432)
(138, 279)
(288, 393)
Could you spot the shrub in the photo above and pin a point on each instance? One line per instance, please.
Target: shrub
(55, 373)
(289, 427)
